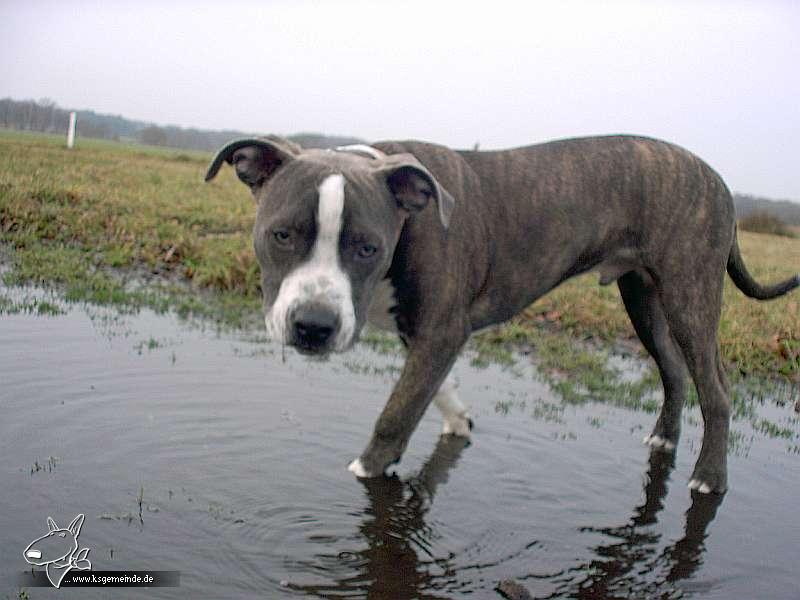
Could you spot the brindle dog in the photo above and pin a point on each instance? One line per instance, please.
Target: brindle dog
(446, 242)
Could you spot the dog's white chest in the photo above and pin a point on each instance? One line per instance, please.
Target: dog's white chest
(383, 300)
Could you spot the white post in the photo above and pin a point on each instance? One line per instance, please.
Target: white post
(71, 130)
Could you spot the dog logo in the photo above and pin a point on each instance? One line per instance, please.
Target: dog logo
(57, 550)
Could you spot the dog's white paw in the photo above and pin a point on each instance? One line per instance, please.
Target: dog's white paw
(459, 424)
(357, 468)
(700, 486)
(656, 441)
(456, 419)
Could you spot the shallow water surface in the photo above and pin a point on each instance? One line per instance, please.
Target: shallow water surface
(212, 454)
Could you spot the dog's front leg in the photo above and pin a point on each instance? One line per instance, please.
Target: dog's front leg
(429, 361)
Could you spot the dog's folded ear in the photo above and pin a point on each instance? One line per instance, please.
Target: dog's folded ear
(255, 159)
(413, 185)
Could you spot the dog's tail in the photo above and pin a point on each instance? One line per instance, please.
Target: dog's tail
(745, 282)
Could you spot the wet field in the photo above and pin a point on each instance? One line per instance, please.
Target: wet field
(220, 456)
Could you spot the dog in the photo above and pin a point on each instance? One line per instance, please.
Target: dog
(434, 244)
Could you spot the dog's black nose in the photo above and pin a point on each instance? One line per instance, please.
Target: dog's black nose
(313, 327)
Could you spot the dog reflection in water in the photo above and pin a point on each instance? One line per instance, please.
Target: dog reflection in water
(400, 559)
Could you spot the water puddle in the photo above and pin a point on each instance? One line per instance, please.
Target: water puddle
(212, 454)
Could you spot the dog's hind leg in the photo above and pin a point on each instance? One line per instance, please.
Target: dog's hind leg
(457, 420)
(647, 315)
(693, 316)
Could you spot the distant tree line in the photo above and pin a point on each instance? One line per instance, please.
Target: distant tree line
(45, 116)
(762, 221)
(30, 115)
(784, 210)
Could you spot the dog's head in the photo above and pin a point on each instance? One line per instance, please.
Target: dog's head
(326, 228)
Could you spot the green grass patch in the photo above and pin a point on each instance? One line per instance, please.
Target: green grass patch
(773, 430)
(381, 341)
(149, 344)
(9, 306)
(577, 372)
(77, 277)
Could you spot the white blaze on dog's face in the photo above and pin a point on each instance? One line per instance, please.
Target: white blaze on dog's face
(326, 228)
(319, 282)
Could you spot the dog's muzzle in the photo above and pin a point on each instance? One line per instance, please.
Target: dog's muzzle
(312, 328)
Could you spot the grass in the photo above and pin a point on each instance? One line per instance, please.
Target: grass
(31, 306)
(97, 220)
(127, 207)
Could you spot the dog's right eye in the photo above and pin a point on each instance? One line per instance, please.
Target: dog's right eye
(282, 236)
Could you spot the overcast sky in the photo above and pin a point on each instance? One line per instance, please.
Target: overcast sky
(719, 78)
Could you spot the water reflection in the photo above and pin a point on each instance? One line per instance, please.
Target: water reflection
(399, 562)
(633, 564)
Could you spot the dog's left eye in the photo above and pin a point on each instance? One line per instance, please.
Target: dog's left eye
(282, 236)
(62, 534)
(367, 250)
